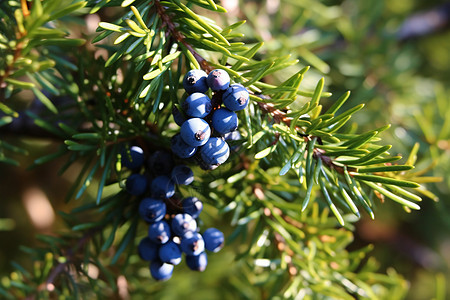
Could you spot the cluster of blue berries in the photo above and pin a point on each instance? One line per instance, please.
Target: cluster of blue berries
(205, 123)
(155, 180)
(172, 225)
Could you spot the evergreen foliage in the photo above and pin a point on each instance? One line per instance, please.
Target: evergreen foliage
(298, 178)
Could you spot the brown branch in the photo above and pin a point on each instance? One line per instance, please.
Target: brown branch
(26, 11)
(179, 37)
(279, 116)
(70, 254)
(320, 154)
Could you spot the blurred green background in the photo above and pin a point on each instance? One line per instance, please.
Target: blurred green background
(394, 56)
(372, 48)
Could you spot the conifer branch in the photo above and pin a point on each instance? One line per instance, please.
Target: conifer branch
(127, 100)
(280, 241)
(69, 255)
(10, 66)
(277, 114)
(178, 36)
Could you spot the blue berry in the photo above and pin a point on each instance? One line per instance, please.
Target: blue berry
(215, 151)
(195, 132)
(197, 105)
(136, 184)
(232, 136)
(197, 262)
(182, 174)
(147, 249)
(152, 210)
(159, 232)
(134, 158)
(183, 223)
(160, 270)
(218, 80)
(162, 187)
(214, 239)
(195, 81)
(170, 253)
(180, 148)
(236, 97)
(160, 163)
(178, 116)
(192, 243)
(192, 206)
(224, 121)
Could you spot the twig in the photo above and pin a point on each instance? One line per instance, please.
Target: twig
(320, 154)
(70, 255)
(278, 115)
(179, 37)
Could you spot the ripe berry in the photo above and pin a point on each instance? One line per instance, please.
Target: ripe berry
(134, 158)
(236, 97)
(183, 223)
(160, 270)
(218, 80)
(160, 163)
(180, 148)
(192, 206)
(147, 249)
(197, 262)
(170, 253)
(192, 243)
(136, 184)
(195, 81)
(159, 232)
(215, 151)
(224, 121)
(182, 174)
(197, 105)
(152, 210)
(195, 132)
(178, 117)
(214, 239)
(162, 187)
(231, 138)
